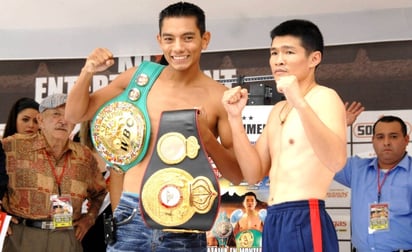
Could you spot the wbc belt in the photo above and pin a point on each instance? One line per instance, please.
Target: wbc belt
(180, 192)
(120, 129)
(250, 238)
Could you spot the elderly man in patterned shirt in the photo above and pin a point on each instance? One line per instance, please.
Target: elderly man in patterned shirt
(49, 177)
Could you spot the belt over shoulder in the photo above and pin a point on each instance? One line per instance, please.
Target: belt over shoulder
(120, 129)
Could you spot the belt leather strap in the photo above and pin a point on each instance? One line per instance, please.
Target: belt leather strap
(120, 129)
(47, 225)
(180, 191)
(41, 224)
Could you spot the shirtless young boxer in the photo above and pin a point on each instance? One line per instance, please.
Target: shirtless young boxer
(181, 85)
(302, 146)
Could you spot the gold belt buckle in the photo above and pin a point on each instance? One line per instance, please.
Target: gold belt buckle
(173, 147)
(178, 196)
(171, 196)
(118, 133)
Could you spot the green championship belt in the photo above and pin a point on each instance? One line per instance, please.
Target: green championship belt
(222, 229)
(120, 129)
(180, 191)
(250, 238)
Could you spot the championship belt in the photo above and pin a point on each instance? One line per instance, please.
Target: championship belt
(250, 238)
(120, 129)
(222, 229)
(180, 192)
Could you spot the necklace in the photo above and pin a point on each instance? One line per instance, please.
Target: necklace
(283, 120)
(285, 110)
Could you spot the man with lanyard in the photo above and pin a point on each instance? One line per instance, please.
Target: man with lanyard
(49, 178)
(381, 202)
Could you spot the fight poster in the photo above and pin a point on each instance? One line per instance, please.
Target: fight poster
(240, 221)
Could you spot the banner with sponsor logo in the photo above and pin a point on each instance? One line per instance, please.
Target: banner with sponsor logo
(362, 130)
(359, 72)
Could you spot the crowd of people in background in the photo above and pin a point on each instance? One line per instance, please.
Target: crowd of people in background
(56, 187)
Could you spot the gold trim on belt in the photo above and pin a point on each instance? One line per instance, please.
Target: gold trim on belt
(171, 196)
(179, 190)
(119, 132)
(173, 147)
